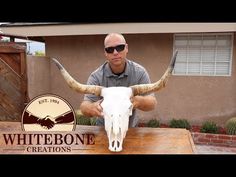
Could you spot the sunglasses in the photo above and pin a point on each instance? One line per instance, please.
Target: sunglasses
(118, 48)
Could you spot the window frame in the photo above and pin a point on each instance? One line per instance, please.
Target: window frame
(201, 35)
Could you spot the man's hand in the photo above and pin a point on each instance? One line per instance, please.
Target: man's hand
(144, 103)
(97, 108)
(135, 101)
(93, 109)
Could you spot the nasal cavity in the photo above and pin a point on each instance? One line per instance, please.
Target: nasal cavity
(117, 144)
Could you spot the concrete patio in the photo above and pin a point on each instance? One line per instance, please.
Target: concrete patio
(209, 149)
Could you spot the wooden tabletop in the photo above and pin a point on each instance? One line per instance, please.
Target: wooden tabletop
(140, 140)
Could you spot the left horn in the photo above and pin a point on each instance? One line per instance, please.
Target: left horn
(81, 88)
(148, 88)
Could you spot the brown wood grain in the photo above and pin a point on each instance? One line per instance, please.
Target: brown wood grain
(5, 116)
(8, 74)
(140, 140)
(10, 86)
(12, 60)
(24, 82)
(13, 80)
(13, 111)
(12, 47)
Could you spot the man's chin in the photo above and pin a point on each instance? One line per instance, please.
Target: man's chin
(117, 61)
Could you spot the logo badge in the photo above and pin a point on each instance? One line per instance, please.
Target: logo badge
(48, 112)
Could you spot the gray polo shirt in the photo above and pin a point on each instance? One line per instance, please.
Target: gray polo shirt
(103, 76)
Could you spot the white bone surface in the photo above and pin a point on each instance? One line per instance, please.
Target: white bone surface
(117, 108)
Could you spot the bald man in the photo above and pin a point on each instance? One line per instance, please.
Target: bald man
(115, 72)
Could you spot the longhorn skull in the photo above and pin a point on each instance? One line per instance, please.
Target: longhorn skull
(116, 104)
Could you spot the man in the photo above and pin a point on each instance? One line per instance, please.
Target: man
(117, 71)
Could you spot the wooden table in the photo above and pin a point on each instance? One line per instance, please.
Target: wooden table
(140, 140)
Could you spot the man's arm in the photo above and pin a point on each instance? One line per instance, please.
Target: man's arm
(144, 103)
(91, 109)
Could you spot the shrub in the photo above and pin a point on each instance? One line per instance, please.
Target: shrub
(230, 126)
(83, 120)
(209, 127)
(39, 53)
(93, 121)
(180, 123)
(153, 123)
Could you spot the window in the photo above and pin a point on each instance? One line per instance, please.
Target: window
(203, 54)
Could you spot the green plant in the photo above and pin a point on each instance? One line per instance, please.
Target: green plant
(153, 123)
(83, 120)
(180, 123)
(209, 127)
(39, 53)
(5, 40)
(230, 126)
(93, 121)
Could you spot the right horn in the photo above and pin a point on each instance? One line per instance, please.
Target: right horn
(148, 88)
(81, 88)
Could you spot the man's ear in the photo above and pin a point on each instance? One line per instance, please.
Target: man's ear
(105, 53)
(127, 48)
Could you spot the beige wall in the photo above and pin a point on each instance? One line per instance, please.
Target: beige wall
(38, 73)
(79, 55)
(193, 98)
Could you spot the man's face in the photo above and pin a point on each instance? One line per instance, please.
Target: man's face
(116, 50)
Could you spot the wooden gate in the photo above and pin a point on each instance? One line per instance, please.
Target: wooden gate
(13, 81)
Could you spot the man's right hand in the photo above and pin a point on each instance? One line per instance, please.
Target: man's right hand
(91, 109)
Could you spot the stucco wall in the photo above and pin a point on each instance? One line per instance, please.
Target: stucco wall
(38, 73)
(191, 97)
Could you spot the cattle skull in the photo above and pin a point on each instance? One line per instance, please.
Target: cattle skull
(117, 108)
(116, 113)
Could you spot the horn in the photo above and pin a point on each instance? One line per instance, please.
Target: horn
(148, 88)
(81, 88)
